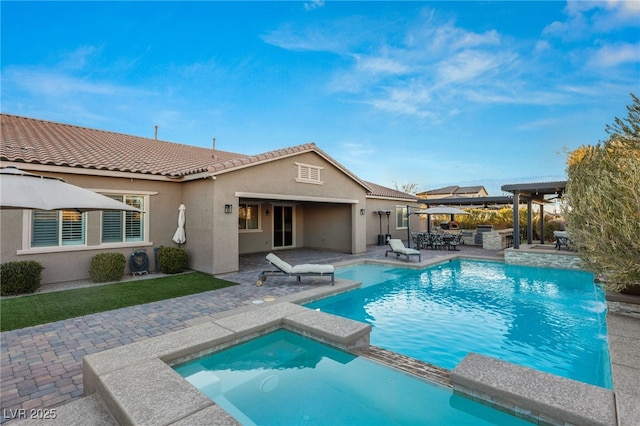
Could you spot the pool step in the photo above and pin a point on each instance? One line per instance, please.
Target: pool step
(410, 365)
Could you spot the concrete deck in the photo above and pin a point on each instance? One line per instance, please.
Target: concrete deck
(42, 365)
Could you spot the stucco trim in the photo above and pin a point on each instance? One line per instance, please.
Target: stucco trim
(265, 196)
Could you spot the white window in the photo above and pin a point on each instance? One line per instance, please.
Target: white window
(57, 228)
(402, 221)
(118, 227)
(248, 215)
(309, 174)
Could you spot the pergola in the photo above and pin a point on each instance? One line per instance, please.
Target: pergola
(531, 193)
(470, 202)
(528, 193)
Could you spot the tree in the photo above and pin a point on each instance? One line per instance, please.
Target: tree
(603, 198)
(407, 188)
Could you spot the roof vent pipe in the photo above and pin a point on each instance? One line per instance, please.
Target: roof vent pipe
(214, 144)
(155, 136)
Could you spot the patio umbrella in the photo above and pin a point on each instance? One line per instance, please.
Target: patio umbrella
(179, 237)
(441, 209)
(22, 190)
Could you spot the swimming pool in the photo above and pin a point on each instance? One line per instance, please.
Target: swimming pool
(548, 319)
(283, 378)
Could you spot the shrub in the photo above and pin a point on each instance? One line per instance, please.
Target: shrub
(173, 260)
(603, 191)
(20, 277)
(107, 267)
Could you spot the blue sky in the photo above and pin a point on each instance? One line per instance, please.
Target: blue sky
(429, 93)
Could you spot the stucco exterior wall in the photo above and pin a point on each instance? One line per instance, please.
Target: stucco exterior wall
(198, 200)
(70, 263)
(328, 227)
(327, 216)
(316, 206)
(373, 220)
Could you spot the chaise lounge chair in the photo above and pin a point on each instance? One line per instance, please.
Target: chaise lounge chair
(398, 248)
(295, 271)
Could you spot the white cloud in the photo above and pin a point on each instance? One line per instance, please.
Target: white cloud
(313, 5)
(586, 18)
(380, 65)
(78, 59)
(54, 83)
(609, 56)
(432, 68)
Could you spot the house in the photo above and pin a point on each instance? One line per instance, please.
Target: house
(454, 192)
(236, 203)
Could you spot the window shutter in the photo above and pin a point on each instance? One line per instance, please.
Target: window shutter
(72, 228)
(44, 228)
(134, 219)
(111, 227)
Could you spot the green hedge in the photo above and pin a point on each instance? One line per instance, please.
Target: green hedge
(107, 267)
(173, 260)
(20, 277)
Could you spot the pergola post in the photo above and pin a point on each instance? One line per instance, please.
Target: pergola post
(541, 223)
(532, 192)
(529, 222)
(516, 220)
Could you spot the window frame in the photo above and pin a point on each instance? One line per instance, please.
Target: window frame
(60, 224)
(258, 214)
(93, 229)
(125, 221)
(405, 219)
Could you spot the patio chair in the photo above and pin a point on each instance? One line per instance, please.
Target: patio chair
(562, 240)
(398, 248)
(295, 271)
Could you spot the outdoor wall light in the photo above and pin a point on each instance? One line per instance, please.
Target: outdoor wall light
(362, 212)
(227, 208)
(268, 212)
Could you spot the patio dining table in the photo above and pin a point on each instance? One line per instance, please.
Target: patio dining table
(436, 240)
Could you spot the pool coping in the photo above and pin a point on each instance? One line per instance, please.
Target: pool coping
(137, 385)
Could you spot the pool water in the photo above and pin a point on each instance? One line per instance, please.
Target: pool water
(548, 319)
(282, 378)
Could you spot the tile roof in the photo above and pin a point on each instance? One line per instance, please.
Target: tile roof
(383, 191)
(453, 190)
(37, 141)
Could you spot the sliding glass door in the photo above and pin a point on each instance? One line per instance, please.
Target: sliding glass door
(283, 226)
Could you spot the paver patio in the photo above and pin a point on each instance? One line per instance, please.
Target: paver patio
(41, 366)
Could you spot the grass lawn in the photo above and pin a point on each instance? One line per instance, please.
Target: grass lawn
(20, 312)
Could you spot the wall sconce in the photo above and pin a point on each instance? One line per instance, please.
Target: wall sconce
(268, 212)
(362, 212)
(227, 208)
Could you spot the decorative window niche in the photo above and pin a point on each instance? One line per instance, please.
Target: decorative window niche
(309, 174)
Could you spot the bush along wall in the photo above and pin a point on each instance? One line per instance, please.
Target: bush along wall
(107, 267)
(20, 277)
(173, 260)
